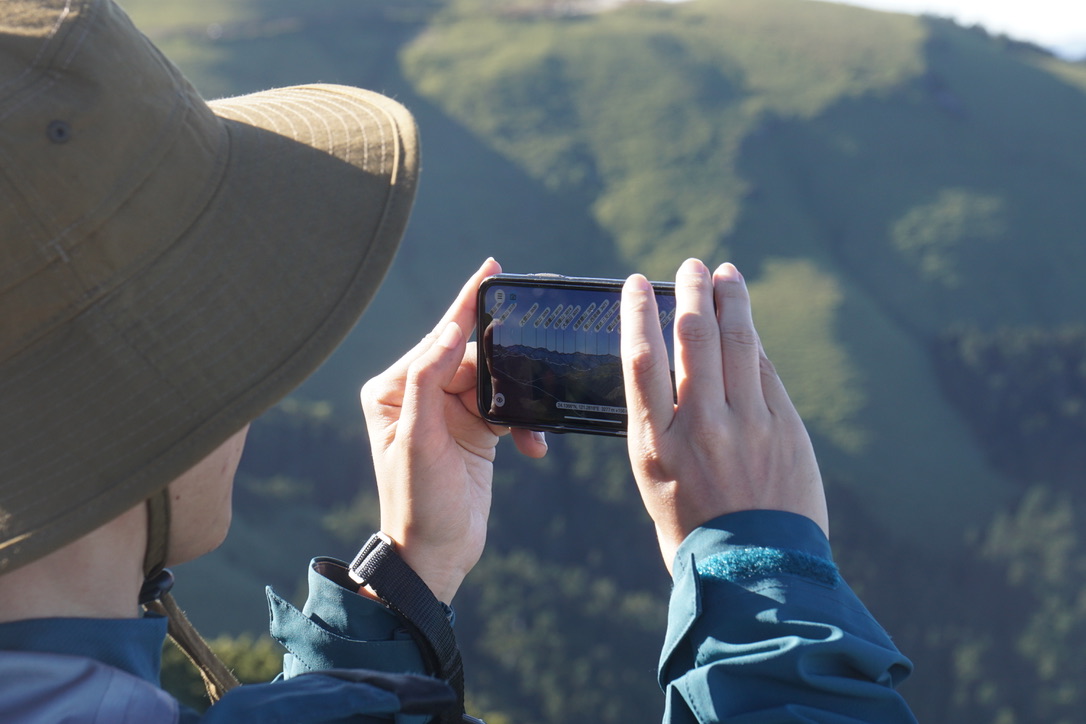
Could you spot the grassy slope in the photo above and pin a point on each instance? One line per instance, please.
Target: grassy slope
(644, 110)
(945, 202)
(869, 170)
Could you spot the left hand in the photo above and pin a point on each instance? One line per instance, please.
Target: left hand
(433, 454)
(733, 440)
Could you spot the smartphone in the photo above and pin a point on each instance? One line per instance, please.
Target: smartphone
(548, 351)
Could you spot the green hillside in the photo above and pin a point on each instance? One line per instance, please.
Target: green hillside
(905, 197)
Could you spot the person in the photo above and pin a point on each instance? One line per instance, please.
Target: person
(172, 268)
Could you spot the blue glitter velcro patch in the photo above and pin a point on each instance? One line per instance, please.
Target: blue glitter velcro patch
(744, 564)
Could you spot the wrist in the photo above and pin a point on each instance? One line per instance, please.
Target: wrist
(441, 578)
(437, 566)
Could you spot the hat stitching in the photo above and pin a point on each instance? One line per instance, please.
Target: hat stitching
(30, 95)
(92, 17)
(329, 133)
(352, 110)
(46, 41)
(360, 125)
(253, 116)
(55, 243)
(141, 168)
(191, 271)
(51, 76)
(323, 100)
(124, 190)
(31, 260)
(154, 247)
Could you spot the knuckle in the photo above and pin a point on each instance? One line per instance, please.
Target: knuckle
(740, 335)
(636, 303)
(640, 360)
(645, 450)
(692, 330)
(369, 392)
(419, 371)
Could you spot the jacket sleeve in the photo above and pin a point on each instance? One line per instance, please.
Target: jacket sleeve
(337, 629)
(761, 628)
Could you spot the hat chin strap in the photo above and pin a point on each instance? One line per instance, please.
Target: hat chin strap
(156, 598)
(158, 533)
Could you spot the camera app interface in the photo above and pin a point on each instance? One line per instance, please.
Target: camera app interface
(553, 354)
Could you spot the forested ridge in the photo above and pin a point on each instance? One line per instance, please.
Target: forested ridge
(905, 197)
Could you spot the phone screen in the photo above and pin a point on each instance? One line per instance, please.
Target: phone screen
(549, 352)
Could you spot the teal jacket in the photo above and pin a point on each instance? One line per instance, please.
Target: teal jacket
(761, 629)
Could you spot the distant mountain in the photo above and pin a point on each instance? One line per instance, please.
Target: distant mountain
(534, 381)
(562, 362)
(905, 198)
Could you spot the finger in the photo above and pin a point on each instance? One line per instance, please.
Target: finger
(467, 374)
(699, 374)
(773, 391)
(740, 347)
(464, 385)
(423, 415)
(531, 443)
(461, 312)
(645, 369)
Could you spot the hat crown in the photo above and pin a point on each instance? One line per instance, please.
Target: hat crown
(78, 187)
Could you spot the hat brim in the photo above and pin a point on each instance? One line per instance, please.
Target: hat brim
(293, 242)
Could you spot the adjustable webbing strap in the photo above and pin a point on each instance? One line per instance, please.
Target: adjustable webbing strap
(378, 566)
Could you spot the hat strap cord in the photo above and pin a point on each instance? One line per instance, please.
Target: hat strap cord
(156, 598)
(218, 679)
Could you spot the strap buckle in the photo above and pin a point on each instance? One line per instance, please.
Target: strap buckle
(376, 540)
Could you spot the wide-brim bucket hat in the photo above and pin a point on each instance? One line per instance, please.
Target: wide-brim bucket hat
(169, 268)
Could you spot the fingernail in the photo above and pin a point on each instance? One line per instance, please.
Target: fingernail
(638, 282)
(450, 336)
(729, 272)
(694, 266)
(539, 437)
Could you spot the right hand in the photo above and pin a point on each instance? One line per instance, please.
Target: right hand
(433, 454)
(733, 441)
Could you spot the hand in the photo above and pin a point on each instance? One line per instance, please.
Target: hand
(733, 441)
(432, 453)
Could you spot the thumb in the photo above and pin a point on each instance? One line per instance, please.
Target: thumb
(428, 377)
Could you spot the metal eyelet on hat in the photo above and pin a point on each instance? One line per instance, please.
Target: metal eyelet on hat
(59, 131)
